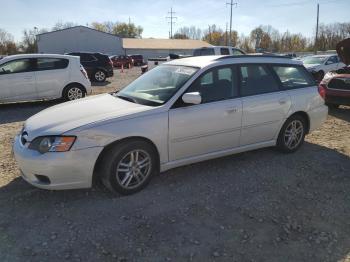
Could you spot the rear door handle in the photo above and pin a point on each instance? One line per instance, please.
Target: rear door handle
(282, 101)
(232, 110)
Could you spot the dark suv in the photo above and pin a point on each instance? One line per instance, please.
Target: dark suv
(98, 66)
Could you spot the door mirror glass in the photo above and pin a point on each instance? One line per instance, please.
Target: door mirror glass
(193, 98)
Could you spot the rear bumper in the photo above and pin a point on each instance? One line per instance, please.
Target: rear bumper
(317, 117)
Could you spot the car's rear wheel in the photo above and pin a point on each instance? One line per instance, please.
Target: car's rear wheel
(73, 92)
(129, 166)
(292, 134)
(100, 76)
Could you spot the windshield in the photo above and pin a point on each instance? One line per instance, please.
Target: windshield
(314, 60)
(158, 85)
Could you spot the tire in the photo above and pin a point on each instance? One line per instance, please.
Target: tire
(73, 92)
(292, 134)
(120, 171)
(100, 76)
(320, 75)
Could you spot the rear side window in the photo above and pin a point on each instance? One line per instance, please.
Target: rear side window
(237, 52)
(257, 79)
(203, 51)
(224, 51)
(51, 64)
(17, 66)
(87, 58)
(293, 77)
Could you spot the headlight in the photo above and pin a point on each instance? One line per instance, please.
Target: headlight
(46, 144)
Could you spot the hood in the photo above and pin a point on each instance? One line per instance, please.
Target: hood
(67, 116)
(343, 51)
(309, 66)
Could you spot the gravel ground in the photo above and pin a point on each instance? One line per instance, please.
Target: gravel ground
(255, 206)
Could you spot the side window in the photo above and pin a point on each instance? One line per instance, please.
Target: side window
(237, 52)
(51, 63)
(292, 77)
(224, 51)
(332, 60)
(256, 79)
(87, 58)
(16, 66)
(215, 85)
(204, 51)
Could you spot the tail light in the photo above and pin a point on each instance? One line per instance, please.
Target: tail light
(322, 90)
(82, 70)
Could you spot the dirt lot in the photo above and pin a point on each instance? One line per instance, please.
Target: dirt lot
(255, 206)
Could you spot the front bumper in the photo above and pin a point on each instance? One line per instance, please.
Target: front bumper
(64, 170)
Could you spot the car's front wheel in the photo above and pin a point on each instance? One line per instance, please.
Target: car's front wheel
(129, 166)
(100, 76)
(292, 134)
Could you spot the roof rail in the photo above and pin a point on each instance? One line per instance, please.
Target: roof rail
(245, 56)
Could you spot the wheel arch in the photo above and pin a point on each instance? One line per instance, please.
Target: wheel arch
(95, 176)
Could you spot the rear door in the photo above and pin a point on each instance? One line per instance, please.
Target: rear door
(265, 106)
(17, 80)
(52, 75)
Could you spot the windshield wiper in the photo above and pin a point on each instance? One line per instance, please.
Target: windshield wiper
(126, 98)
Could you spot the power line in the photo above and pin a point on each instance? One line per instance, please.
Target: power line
(231, 4)
(171, 17)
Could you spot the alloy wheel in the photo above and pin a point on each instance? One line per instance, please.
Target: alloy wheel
(75, 93)
(133, 169)
(100, 76)
(293, 134)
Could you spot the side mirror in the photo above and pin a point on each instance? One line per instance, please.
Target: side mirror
(193, 98)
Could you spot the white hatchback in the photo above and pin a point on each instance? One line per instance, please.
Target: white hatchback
(181, 112)
(31, 77)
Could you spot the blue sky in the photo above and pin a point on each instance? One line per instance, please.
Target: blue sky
(294, 15)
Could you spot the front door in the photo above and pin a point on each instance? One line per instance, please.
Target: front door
(19, 80)
(211, 126)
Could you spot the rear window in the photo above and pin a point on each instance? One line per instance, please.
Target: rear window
(224, 51)
(51, 63)
(204, 51)
(293, 77)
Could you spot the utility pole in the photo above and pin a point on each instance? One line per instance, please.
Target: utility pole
(209, 35)
(231, 4)
(316, 38)
(171, 17)
(226, 40)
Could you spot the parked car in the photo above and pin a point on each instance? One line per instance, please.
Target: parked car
(40, 76)
(217, 50)
(98, 66)
(138, 60)
(337, 83)
(319, 65)
(181, 112)
(122, 60)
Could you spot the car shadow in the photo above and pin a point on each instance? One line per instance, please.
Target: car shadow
(16, 112)
(261, 205)
(342, 112)
(105, 83)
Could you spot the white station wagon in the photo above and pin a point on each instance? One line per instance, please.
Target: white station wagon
(30, 77)
(181, 112)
